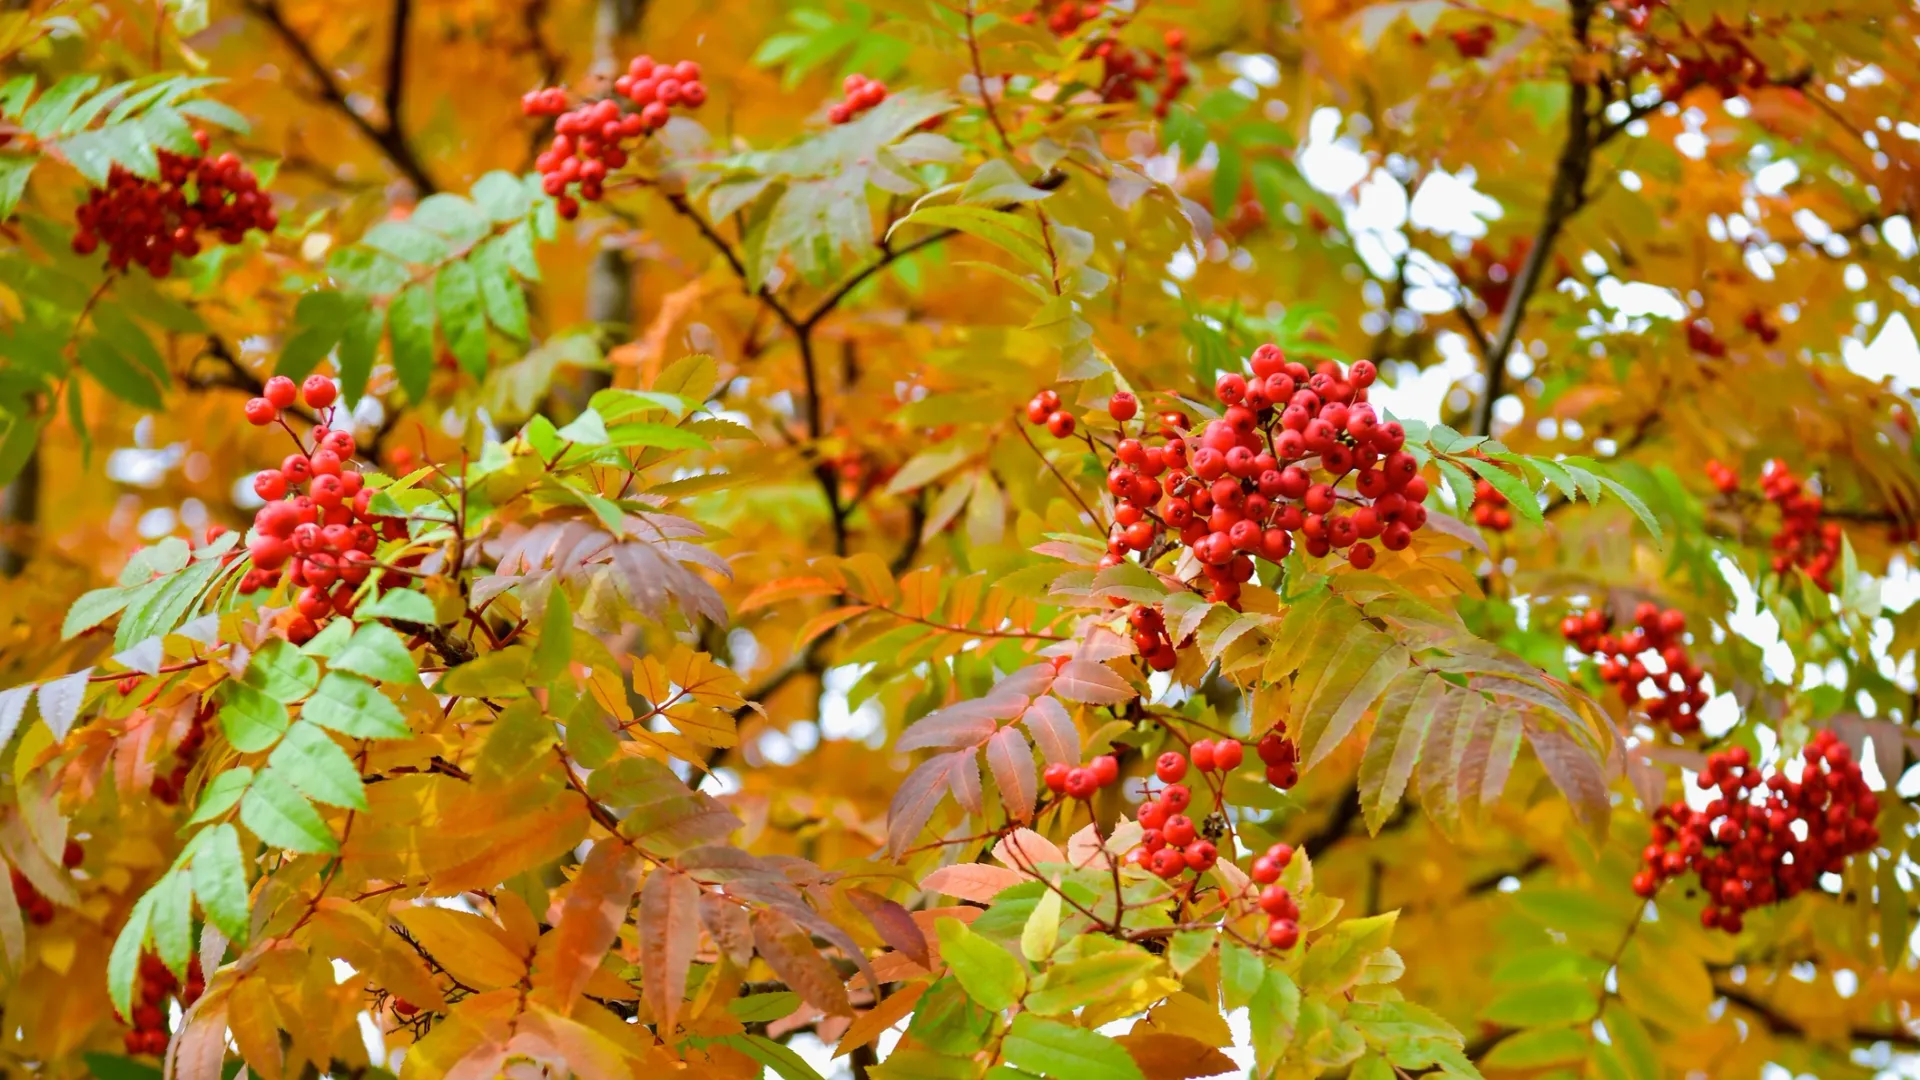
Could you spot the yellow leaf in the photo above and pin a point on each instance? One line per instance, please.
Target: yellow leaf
(471, 949)
(255, 1023)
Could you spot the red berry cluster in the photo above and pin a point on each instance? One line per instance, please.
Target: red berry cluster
(1150, 637)
(1701, 339)
(1677, 695)
(157, 984)
(1805, 539)
(1750, 849)
(1473, 43)
(324, 536)
(1280, 755)
(1267, 469)
(1081, 781)
(1283, 926)
(148, 222)
(1491, 510)
(1124, 69)
(1724, 61)
(31, 901)
(1723, 477)
(1756, 324)
(1067, 16)
(1171, 844)
(168, 788)
(587, 138)
(861, 94)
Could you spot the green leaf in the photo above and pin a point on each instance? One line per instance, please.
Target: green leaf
(46, 115)
(123, 963)
(1042, 929)
(111, 1067)
(463, 319)
(1513, 487)
(1050, 1048)
(359, 344)
(760, 1008)
(379, 654)
(330, 640)
(502, 196)
(782, 1059)
(1639, 508)
(990, 974)
(410, 326)
(407, 241)
(949, 1021)
(280, 671)
(1538, 1048)
(220, 881)
(217, 113)
(1543, 1005)
(996, 183)
(221, 793)
(354, 707)
(15, 171)
(251, 720)
(92, 609)
(120, 376)
(282, 817)
(1091, 979)
(1335, 961)
(172, 920)
(1014, 235)
(23, 434)
(309, 760)
(505, 302)
(494, 674)
(554, 649)
(401, 605)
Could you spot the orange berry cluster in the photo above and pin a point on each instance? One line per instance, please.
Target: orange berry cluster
(1677, 695)
(157, 984)
(587, 138)
(1491, 510)
(1750, 848)
(148, 222)
(1283, 915)
(861, 94)
(31, 901)
(324, 536)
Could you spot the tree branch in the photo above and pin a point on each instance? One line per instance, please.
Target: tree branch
(387, 137)
(1781, 1024)
(1568, 194)
(397, 66)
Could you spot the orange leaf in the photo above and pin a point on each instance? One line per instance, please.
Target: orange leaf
(978, 882)
(788, 588)
(590, 919)
(826, 621)
(669, 934)
(1175, 1057)
(868, 1025)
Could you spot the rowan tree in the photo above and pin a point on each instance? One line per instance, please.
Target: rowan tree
(958, 538)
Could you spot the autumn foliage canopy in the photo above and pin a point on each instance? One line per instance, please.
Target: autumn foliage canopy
(1142, 539)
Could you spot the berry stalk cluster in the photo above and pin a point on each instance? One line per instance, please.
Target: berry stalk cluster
(1673, 695)
(1751, 847)
(147, 222)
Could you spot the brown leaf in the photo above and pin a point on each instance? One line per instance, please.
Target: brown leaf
(1011, 760)
(590, 919)
(727, 922)
(1174, 1057)
(669, 934)
(893, 924)
(868, 1026)
(791, 954)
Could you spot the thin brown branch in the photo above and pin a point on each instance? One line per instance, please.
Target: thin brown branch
(980, 80)
(386, 136)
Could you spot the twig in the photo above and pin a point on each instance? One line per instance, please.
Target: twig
(980, 80)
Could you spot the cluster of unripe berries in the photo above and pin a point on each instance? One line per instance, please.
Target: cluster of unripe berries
(147, 222)
(587, 138)
(31, 901)
(1676, 695)
(1751, 847)
(149, 1021)
(1283, 915)
(316, 523)
(1081, 781)
(1491, 510)
(861, 94)
(1297, 451)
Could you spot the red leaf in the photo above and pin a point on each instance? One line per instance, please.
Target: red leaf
(790, 953)
(914, 803)
(1574, 771)
(1011, 760)
(669, 934)
(1091, 682)
(978, 882)
(893, 924)
(590, 919)
(1053, 731)
(966, 724)
(727, 922)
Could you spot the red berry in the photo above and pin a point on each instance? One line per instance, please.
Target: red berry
(1055, 776)
(1060, 424)
(1283, 934)
(1168, 862)
(1177, 797)
(1203, 759)
(1123, 406)
(1179, 830)
(260, 412)
(1105, 769)
(1266, 871)
(319, 391)
(1201, 855)
(1081, 784)
(280, 391)
(1227, 754)
(269, 552)
(270, 484)
(1170, 767)
(1152, 815)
